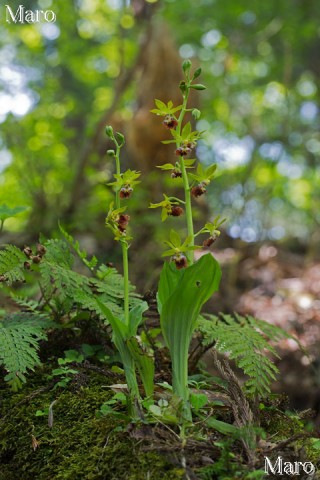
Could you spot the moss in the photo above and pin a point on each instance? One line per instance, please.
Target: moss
(79, 446)
(279, 424)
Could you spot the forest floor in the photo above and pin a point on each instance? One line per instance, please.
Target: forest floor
(282, 288)
(82, 443)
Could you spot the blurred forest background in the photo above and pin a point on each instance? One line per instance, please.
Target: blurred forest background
(103, 62)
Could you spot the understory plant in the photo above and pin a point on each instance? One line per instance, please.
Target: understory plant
(62, 297)
(125, 326)
(185, 285)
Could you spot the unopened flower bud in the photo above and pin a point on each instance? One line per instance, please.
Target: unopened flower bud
(41, 249)
(36, 259)
(120, 138)
(111, 153)
(197, 73)
(209, 241)
(176, 211)
(2, 278)
(27, 265)
(176, 173)
(198, 86)
(27, 251)
(198, 190)
(109, 131)
(183, 151)
(186, 65)
(183, 87)
(123, 222)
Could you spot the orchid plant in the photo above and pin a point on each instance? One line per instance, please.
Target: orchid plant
(185, 285)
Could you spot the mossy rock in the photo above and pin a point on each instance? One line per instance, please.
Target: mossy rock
(79, 446)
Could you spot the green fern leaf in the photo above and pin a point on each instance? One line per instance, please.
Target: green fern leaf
(57, 276)
(247, 342)
(91, 264)
(26, 304)
(89, 302)
(20, 334)
(11, 264)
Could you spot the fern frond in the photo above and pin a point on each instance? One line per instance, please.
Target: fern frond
(108, 287)
(20, 334)
(247, 341)
(110, 282)
(11, 264)
(57, 275)
(27, 304)
(89, 302)
(82, 254)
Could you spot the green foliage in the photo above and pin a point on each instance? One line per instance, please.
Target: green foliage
(177, 246)
(181, 295)
(20, 334)
(57, 276)
(132, 356)
(163, 109)
(65, 285)
(247, 341)
(11, 264)
(7, 212)
(257, 103)
(82, 254)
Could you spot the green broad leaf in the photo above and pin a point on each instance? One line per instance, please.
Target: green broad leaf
(120, 330)
(175, 238)
(157, 111)
(145, 365)
(165, 385)
(186, 131)
(175, 109)
(168, 282)
(198, 400)
(189, 162)
(210, 170)
(187, 241)
(155, 410)
(135, 317)
(175, 134)
(222, 427)
(164, 414)
(161, 105)
(167, 253)
(166, 166)
(120, 334)
(164, 214)
(181, 295)
(7, 212)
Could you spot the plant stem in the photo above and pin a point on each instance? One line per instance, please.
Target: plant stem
(187, 197)
(125, 263)
(118, 171)
(124, 248)
(186, 186)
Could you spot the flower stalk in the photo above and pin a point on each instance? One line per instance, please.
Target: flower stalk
(124, 243)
